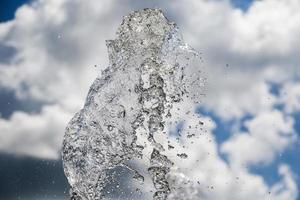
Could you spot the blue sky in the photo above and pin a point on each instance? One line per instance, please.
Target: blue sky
(27, 169)
(242, 4)
(8, 8)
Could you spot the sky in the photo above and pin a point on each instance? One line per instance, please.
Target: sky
(51, 51)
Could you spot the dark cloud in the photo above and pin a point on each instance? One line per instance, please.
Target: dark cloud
(29, 178)
(6, 53)
(9, 103)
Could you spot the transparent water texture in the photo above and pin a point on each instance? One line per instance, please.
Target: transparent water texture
(117, 146)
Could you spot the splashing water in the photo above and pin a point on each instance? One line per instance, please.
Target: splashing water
(128, 109)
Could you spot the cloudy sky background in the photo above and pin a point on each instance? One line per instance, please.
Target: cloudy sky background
(52, 50)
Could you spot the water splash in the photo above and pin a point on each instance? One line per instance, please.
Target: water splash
(128, 107)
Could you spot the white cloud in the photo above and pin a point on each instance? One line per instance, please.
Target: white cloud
(258, 46)
(267, 30)
(57, 44)
(269, 133)
(56, 48)
(35, 135)
(287, 188)
(219, 179)
(290, 96)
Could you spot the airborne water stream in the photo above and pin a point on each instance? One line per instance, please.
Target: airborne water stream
(125, 122)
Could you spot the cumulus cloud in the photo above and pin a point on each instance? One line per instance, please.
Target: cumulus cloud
(52, 48)
(269, 133)
(57, 45)
(34, 135)
(290, 96)
(257, 46)
(213, 178)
